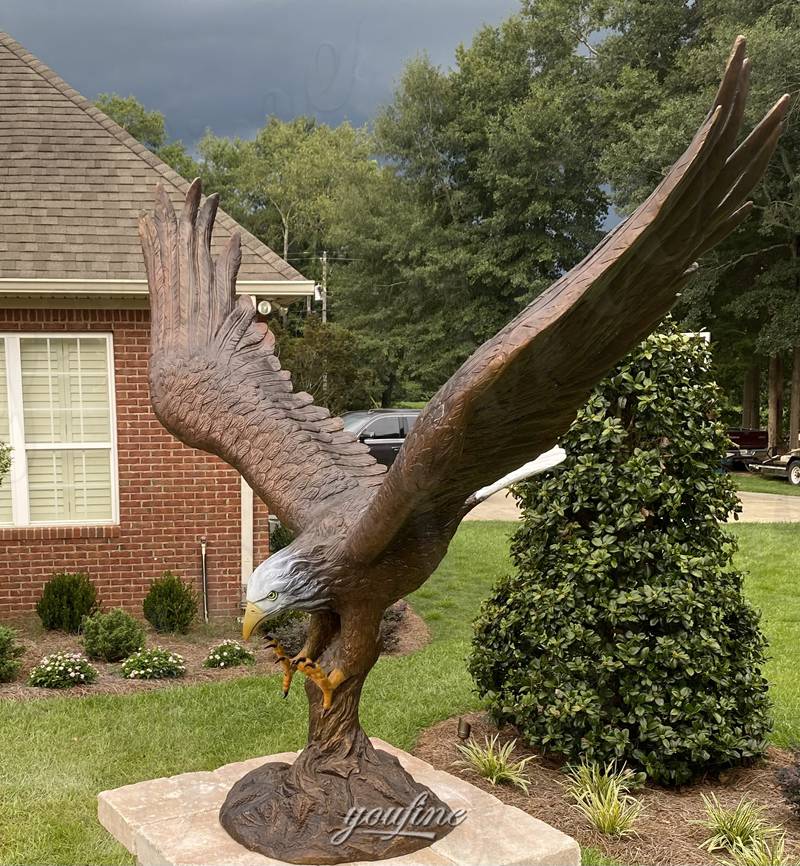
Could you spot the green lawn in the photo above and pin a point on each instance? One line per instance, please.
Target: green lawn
(770, 553)
(749, 482)
(55, 755)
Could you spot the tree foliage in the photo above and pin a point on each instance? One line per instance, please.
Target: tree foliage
(489, 191)
(623, 632)
(656, 68)
(483, 183)
(284, 184)
(5, 461)
(149, 128)
(339, 368)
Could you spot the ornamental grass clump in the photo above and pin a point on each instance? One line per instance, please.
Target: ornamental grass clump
(742, 827)
(624, 631)
(761, 852)
(153, 664)
(10, 654)
(112, 636)
(494, 762)
(602, 795)
(228, 654)
(63, 670)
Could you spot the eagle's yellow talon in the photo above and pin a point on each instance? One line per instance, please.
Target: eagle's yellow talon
(283, 659)
(326, 684)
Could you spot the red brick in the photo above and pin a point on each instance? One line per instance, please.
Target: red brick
(170, 495)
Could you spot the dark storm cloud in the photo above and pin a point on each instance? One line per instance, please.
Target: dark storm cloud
(226, 64)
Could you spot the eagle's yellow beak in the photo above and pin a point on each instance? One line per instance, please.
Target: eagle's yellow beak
(253, 616)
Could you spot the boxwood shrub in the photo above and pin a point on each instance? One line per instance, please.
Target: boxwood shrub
(170, 605)
(10, 654)
(623, 632)
(66, 600)
(112, 636)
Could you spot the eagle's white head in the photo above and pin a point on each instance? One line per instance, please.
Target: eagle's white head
(288, 580)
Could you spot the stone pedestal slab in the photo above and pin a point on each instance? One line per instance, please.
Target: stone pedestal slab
(174, 822)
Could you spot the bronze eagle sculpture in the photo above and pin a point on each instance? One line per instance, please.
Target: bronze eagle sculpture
(366, 537)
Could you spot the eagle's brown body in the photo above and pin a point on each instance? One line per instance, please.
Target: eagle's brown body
(371, 537)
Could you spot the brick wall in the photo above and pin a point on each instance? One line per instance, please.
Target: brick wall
(170, 495)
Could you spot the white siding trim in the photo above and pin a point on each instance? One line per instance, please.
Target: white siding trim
(138, 288)
(247, 531)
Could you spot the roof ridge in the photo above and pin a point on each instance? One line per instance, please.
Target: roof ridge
(249, 240)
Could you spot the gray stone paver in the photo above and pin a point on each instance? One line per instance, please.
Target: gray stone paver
(175, 822)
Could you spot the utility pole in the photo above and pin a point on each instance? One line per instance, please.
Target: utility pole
(324, 286)
(324, 293)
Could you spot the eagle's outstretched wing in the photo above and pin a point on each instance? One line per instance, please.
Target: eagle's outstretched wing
(521, 389)
(216, 383)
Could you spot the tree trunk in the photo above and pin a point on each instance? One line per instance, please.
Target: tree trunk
(794, 408)
(775, 427)
(294, 812)
(751, 402)
(387, 395)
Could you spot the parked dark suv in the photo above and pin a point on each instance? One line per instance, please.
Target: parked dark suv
(382, 430)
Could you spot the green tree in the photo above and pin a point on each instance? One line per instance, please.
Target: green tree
(284, 184)
(149, 128)
(338, 367)
(496, 166)
(655, 68)
(623, 632)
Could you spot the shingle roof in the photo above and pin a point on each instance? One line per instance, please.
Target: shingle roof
(73, 183)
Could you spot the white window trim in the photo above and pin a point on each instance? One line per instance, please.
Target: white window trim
(18, 477)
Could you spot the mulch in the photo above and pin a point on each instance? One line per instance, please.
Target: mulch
(667, 832)
(408, 634)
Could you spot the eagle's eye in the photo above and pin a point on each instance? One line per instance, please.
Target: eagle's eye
(272, 595)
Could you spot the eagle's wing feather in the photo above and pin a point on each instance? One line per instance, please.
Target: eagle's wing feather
(216, 382)
(521, 389)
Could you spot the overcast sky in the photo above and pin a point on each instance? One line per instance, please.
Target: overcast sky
(226, 64)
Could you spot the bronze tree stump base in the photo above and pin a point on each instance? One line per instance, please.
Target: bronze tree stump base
(289, 813)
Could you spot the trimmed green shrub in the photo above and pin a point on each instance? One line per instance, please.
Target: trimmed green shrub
(279, 537)
(171, 604)
(10, 654)
(624, 633)
(153, 664)
(111, 636)
(65, 601)
(228, 654)
(63, 670)
(5, 460)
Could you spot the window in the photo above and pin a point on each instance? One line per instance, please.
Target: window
(384, 428)
(410, 421)
(57, 413)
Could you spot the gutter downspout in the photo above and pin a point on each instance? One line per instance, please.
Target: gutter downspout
(204, 567)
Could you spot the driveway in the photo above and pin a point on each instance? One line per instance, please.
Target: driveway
(756, 508)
